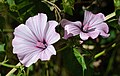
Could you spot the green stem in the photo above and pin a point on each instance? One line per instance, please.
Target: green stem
(13, 70)
(7, 30)
(57, 9)
(104, 51)
(63, 48)
(57, 12)
(7, 65)
(110, 16)
(27, 72)
(52, 4)
(47, 71)
(110, 63)
(99, 54)
(19, 16)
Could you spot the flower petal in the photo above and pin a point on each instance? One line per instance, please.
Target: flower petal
(37, 24)
(51, 35)
(26, 51)
(104, 34)
(71, 30)
(84, 36)
(87, 17)
(18, 41)
(93, 19)
(47, 53)
(21, 45)
(94, 34)
(24, 32)
(66, 35)
(102, 26)
(29, 58)
(65, 22)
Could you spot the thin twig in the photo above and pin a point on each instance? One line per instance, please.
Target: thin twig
(8, 65)
(7, 30)
(52, 4)
(63, 48)
(110, 16)
(13, 70)
(57, 9)
(47, 70)
(99, 54)
(104, 51)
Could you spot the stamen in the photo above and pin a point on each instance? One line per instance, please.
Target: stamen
(40, 45)
(90, 30)
(87, 29)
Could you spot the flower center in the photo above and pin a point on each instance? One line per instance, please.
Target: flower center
(40, 45)
(87, 29)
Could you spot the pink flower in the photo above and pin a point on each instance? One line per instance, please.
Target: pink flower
(34, 38)
(93, 26)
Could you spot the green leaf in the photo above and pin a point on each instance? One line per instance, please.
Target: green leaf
(80, 59)
(11, 2)
(68, 6)
(31, 68)
(23, 4)
(68, 10)
(114, 24)
(112, 36)
(117, 4)
(12, 5)
(2, 47)
(117, 13)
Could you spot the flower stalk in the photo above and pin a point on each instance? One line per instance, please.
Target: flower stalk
(110, 16)
(14, 69)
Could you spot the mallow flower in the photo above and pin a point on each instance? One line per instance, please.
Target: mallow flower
(93, 26)
(33, 40)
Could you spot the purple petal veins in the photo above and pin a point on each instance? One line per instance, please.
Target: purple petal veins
(33, 40)
(93, 26)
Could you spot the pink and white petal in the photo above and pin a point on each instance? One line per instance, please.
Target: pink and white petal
(66, 35)
(23, 48)
(47, 53)
(72, 29)
(65, 22)
(94, 34)
(84, 36)
(28, 59)
(104, 34)
(24, 32)
(97, 19)
(92, 19)
(88, 16)
(102, 26)
(37, 24)
(51, 35)
(18, 41)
